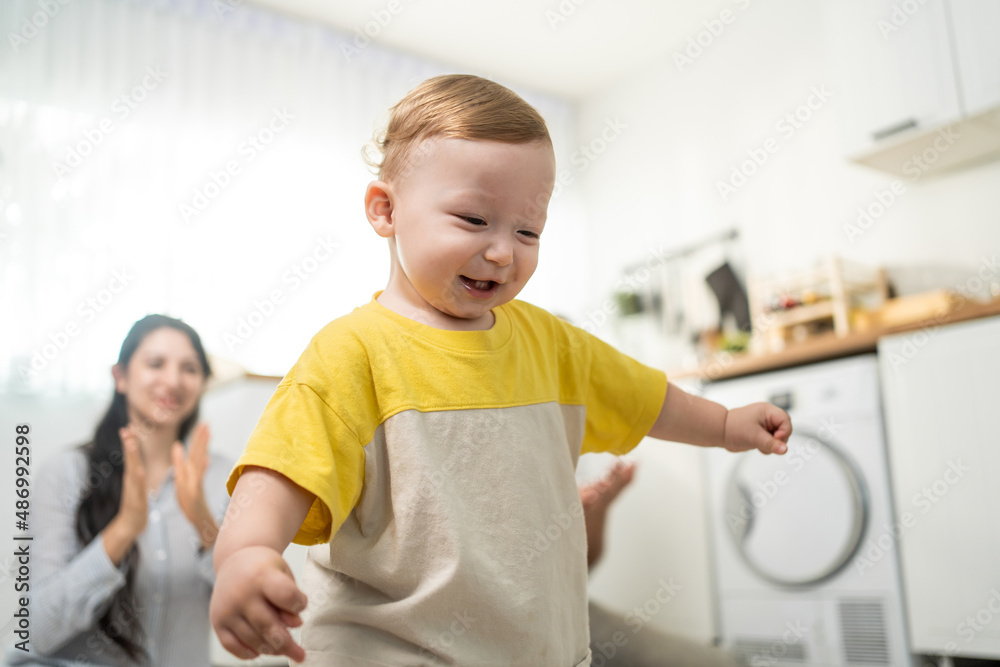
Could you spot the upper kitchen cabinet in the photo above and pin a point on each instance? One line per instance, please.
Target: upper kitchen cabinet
(919, 81)
(976, 26)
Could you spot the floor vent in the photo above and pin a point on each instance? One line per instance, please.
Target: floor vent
(757, 652)
(863, 632)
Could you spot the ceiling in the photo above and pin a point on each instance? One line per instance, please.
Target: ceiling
(567, 47)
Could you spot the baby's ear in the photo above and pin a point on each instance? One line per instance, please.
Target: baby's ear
(378, 208)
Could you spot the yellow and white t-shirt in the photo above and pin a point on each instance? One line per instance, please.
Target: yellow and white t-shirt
(447, 526)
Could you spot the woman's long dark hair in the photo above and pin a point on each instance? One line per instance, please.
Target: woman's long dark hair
(102, 494)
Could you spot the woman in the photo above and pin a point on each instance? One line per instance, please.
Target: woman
(125, 524)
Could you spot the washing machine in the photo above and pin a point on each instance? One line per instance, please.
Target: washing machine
(804, 545)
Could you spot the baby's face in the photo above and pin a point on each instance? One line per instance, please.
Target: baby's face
(467, 217)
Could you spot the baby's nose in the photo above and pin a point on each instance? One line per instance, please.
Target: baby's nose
(500, 252)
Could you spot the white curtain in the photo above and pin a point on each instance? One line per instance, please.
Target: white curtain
(200, 159)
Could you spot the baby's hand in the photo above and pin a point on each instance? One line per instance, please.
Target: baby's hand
(758, 426)
(254, 601)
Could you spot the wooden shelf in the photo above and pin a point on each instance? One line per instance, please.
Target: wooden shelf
(841, 285)
(827, 347)
(801, 314)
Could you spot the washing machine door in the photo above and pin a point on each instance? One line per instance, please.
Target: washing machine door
(797, 519)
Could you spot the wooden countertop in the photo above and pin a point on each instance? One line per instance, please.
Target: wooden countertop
(827, 347)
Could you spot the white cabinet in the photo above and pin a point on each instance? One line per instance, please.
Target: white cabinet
(941, 392)
(976, 26)
(898, 78)
(906, 69)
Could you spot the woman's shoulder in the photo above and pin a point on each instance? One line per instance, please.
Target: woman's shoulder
(63, 475)
(66, 466)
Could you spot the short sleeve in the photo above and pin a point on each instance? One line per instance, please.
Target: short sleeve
(301, 437)
(623, 399)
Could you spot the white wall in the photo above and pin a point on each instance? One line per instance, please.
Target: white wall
(655, 185)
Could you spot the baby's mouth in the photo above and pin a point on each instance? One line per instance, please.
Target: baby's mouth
(483, 285)
(480, 288)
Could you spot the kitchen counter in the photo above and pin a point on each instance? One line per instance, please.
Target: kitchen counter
(724, 366)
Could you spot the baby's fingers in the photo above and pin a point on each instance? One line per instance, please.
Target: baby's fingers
(290, 620)
(775, 447)
(767, 444)
(231, 641)
(280, 590)
(778, 422)
(270, 635)
(777, 426)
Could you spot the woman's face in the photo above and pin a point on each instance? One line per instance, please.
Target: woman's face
(163, 381)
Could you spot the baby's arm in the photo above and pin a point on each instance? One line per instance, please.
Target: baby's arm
(255, 598)
(698, 421)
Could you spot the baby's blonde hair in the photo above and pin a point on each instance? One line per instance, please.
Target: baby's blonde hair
(459, 106)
